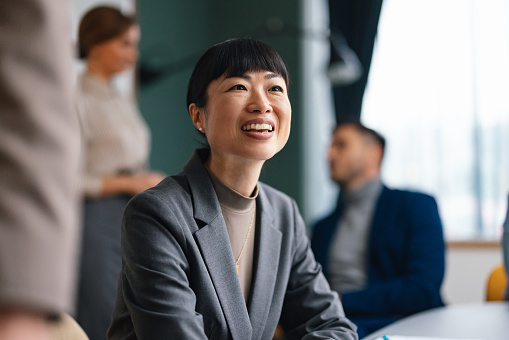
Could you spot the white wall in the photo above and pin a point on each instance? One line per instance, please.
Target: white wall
(467, 271)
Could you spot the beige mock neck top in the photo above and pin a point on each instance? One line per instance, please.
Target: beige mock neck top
(237, 212)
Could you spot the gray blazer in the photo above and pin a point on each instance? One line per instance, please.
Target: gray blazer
(179, 281)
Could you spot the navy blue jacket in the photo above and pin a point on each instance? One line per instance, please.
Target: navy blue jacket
(406, 256)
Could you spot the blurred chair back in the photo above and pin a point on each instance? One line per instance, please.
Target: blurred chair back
(497, 282)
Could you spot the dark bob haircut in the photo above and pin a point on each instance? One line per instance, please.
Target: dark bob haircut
(101, 24)
(232, 58)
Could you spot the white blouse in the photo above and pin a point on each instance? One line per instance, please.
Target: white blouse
(116, 139)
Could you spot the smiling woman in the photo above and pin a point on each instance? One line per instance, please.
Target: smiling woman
(212, 252)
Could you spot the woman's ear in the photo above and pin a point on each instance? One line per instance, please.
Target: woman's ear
(197, 116)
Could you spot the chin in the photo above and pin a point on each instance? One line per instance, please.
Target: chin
(261, 154)
(270, 154)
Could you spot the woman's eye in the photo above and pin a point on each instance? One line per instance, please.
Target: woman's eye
(276, 88)
(238, 88)
(127, 43)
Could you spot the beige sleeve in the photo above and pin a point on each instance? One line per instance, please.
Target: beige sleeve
(39, 156)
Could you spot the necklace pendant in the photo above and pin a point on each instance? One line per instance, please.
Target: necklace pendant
(238, 269)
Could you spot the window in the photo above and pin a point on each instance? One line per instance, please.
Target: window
(439, 92)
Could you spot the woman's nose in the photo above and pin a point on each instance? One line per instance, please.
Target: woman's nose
(259, 103)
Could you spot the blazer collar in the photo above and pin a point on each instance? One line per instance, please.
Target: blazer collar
(213, 241)
(205, 209)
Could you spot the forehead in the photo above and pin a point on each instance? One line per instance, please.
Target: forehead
(346, 132)
(132, 31)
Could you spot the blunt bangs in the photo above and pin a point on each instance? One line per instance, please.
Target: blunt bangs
(232, 58)
(249, 56)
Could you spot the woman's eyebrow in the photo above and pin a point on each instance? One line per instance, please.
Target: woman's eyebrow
(243, 76)
(248, 77)
(272, 75)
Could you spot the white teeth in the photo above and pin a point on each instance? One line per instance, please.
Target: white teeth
(257, 127)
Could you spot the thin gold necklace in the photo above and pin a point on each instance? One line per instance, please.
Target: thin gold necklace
(247, 236)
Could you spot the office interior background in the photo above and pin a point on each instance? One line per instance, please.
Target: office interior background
(437, 90)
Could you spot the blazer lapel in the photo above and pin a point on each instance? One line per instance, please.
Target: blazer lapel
(266, 267)
(215, 247)
(214, 244)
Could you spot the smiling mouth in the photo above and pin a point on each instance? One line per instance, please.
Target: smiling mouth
(258, 127)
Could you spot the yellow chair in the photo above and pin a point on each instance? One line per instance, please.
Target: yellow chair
(496, 285)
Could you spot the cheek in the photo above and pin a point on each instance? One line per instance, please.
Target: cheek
(216, 120)
(112, 58)
(285, 117)
(345, 158)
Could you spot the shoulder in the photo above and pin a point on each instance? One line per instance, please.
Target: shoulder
(172, 191)
(84, 91)
(326, 222)
(88, 103)
(274, 195)
(405, 195)
(278, 201)
(409, 204)
(157, 213)
(281, 209)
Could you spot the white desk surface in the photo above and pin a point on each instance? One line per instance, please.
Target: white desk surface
(486, 321)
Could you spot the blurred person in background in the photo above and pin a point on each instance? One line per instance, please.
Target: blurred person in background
(116, 148)
(381, 249)
(39, 164)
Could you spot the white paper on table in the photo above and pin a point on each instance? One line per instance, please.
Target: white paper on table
(405, 337)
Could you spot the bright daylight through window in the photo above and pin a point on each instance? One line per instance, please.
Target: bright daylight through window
(438, 90)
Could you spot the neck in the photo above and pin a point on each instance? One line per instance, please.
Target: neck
(95, 69)
(237, 173)
(359, 182)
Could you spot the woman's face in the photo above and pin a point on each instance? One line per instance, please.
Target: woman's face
(247, 116)
(118, 54)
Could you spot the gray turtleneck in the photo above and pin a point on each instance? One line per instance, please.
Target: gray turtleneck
(348, 253)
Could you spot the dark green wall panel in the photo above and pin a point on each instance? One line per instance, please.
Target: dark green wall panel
(174, 35)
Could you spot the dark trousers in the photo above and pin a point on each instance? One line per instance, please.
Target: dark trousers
(100, 263)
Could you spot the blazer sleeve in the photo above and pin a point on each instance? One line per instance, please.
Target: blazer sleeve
(310, 309)
(154, 282)
(417, 286)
